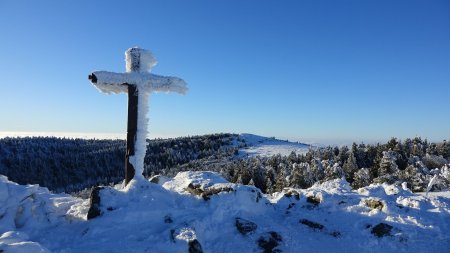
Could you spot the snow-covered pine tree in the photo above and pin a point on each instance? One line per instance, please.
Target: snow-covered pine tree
(361, 178)
(333, 172)
(387, 164)
(280, 181)
(317, 170)
(414, 178)
(388, 170)
(350, 167)
(300, 176)
(343, 154)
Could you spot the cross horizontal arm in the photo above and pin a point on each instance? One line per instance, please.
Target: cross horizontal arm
(110, 82)
(167, 84)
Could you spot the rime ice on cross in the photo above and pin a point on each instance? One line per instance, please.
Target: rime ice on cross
(138, 83)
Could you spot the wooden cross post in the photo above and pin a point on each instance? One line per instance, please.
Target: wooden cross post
(138, 83)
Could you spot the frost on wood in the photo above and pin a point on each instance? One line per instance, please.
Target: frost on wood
(139, 63)
(141, 135)
(138, 80)
(113, 83)
(139, 60)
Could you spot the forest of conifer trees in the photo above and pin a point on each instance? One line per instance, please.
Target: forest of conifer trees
(71, 165)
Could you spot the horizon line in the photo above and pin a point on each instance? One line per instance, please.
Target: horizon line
(122, 136)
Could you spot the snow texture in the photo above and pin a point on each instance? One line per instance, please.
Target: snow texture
(148, 217)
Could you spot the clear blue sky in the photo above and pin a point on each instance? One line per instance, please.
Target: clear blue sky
(359, 70)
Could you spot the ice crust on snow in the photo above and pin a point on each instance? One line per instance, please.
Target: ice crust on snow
(148, 217)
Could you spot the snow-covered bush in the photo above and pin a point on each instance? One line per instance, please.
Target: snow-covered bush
(433, 161)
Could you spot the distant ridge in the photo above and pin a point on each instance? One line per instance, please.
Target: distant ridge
(269, 146)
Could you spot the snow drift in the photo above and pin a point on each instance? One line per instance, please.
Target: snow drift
(202, 212)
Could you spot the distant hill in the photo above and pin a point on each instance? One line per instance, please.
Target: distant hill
(264, 146)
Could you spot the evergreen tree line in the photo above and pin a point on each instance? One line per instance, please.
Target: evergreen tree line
(71, 165)
(414, 161)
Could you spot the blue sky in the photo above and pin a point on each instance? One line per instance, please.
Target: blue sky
(303, 70)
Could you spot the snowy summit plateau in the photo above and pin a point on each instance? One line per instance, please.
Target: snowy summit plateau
(203, 212)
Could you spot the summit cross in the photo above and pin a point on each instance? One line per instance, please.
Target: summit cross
(138, 83)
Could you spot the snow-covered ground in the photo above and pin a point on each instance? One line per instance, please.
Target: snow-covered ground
(264, 146)
(201, 210)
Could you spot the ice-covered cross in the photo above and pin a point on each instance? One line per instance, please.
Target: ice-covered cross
(138, 83)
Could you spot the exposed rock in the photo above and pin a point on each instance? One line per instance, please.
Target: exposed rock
(94, 203)
(381, 230)
(168, 219)
(335, 234)
(158, 179)
(186, 235)
(195, 189)
(291, 205)
(269, 241)
(172, 235)
(245, 226)
(258, 196)
(206, 193)
(292, 193)
(374, 204)
(313, 200)
(311, 224)
(195, 247)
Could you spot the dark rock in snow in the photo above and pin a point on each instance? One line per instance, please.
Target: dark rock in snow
(159, 179)
(374, 204)
(381, 230)
(292, 193)
(206, 193)
(94, 203)
(311, 224)
(269, 241)
(335, 234)
(195, 247)
(168, 219)
(172, 235)
(313, 200)
(291, 205)
(154, 179)
(245, 226)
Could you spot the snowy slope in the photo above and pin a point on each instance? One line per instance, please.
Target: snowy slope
(264, 146)
(201, 210)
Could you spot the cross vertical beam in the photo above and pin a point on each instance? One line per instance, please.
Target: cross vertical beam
(131, 131)
(138, 83)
